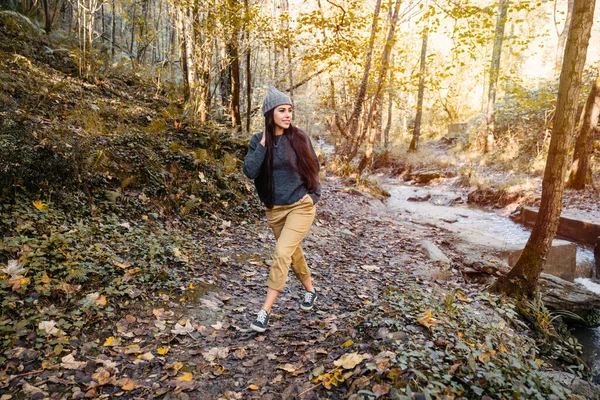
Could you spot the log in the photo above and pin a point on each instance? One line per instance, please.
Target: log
(563, 295)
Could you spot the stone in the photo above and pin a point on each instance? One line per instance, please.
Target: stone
(434, 252)
(597, 257)
(561, 260)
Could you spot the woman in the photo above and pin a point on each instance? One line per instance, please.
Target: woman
(285, 169)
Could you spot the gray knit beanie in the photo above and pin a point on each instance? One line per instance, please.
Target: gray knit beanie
(273, 99)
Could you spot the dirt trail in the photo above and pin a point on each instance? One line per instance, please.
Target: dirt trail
(355, 251)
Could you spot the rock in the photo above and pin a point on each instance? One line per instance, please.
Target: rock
(419, 198)
(561, 260)
(16, 24)
(577, 386)
(434, 252)
(424, 176)
(597, 257)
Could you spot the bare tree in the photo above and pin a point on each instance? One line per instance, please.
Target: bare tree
(414, 143)
(581, 173)
(490, 115)
(562, 35)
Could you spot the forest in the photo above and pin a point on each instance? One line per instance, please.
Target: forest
(455, 247)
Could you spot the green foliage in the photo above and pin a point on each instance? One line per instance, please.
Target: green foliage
(448, 349)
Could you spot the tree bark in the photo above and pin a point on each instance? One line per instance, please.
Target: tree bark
(352, 125)
(376, 104)
(248, 66)
(113, 31)
(236, 119)
(414, 143)
(522, 279)
(48, 26)
(494, 72)
(581, 174)
(562, 36)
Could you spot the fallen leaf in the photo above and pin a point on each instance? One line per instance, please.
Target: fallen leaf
(287, 367)
(183, 330)
(128, 384)
(347, 343)
(162, 350)
(218, 325)
(41, 206)
(69, 362)
(253, 387)
(349, 360)
(216, 352)
(427, 320)
(123, 265)
(186, 377)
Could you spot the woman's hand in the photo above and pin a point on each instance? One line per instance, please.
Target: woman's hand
(262, 140)
(307, 198)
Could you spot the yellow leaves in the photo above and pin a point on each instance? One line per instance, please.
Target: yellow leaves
(123, 265)
(41, 206)
(180, 256)
(102, 377)
(330, 379)
(486, 357)
(111, 341)
(128, 384)
(462, 297)
(427, 320)
(17, 281)
(186, 377)
(349, 360)
(45, 279)
(162, 351)
(177, 366)
(347, 343)
(253, 387)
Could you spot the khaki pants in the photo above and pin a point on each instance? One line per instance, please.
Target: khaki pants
(290, 224)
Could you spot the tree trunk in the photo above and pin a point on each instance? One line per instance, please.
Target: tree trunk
(352, 125)
(562, 36)
(388, 126)
(581, 174)
(385, 64)
(113, 36)
(494, 72)
(48, 27)
(522, 279)
(414, 143)
(236, 119)
(248, 66)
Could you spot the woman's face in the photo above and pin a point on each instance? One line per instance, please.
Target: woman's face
(282, 116)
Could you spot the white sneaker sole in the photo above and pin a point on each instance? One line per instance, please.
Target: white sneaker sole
(257, 328)
(308, 308)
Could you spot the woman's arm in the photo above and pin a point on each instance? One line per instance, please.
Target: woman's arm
(254, 157)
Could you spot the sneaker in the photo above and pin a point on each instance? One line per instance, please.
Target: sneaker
(261, 321)
(309, 300)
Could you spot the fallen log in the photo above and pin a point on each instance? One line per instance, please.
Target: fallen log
(557, 293)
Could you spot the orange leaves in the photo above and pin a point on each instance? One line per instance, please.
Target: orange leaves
(39, 205)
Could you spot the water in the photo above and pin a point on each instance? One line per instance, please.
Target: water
(484, 227)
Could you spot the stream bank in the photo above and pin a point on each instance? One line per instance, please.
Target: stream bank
(479, 235)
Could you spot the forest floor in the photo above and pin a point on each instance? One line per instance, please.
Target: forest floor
(115, 283)
(388, 321)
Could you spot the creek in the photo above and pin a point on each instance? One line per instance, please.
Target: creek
(443, 206)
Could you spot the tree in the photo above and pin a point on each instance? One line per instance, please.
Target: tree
(414, 143)
(490, 115)
(352, 125)
(522, 279)
(376, 104)
(562, 35)
(581, 173)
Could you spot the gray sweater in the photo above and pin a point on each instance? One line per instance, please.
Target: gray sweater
(287, 183)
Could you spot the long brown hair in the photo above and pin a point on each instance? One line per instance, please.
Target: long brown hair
(306, 165)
